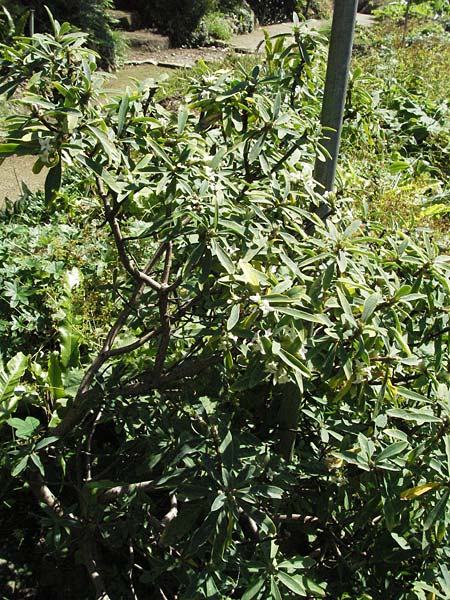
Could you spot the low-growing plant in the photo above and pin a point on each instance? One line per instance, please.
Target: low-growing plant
(400, 113)
(268, 413)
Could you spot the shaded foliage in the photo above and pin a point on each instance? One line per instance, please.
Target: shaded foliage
(264, 411)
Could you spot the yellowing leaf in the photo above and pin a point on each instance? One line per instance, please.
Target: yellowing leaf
(250, 274)
(419, 490)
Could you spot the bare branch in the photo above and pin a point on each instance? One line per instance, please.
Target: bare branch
(173, 512)
(43, 493)
(164, 315)
(120, 244)
(88, 468)
(122, 490)
(130, 568)
(93, 571)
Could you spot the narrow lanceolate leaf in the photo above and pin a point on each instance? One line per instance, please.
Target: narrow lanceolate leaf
(254, 589)
(391, 451)
(292, 583)
(370, 305)
(409, 415)
(55, 376)
(419, 490)
(222, 257)
(233, 318)
(9, 380)
(122, 113)
(21, 465)
(437, 512)
(182, 118)
(293, 362)
(53, 181)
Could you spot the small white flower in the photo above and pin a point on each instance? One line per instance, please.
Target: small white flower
(73, 278)
(45, 148)
(265, 307)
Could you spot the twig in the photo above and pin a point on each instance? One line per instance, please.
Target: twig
(43, 493)
(120, 244)
(122, 490)
(164, 314)
(250, 523)
(88, 474)
(130, 569)
(93, 571)
(173, 512)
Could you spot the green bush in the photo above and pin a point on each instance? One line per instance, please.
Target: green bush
(218, 26)
(178, 18)
(276, 11)
(266, 414)
(89, 15)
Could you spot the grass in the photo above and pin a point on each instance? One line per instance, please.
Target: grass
(415, 64)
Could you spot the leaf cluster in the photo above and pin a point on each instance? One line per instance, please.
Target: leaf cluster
(266, 414)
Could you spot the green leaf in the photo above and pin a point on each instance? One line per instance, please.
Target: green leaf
(222, 256)
(233, 319)
(123, 109)
(9, 380)
(253, 590)
(24, 427)
(390, 514)
(293, 362)
(293, 583)
(55, 376)
(437, 512)
(37, 461)
(159, 151)
(304, 316)
(411, 395)
(274, 590)
(53, 181)
(227, 450)
(219, 501)
(21, 465)
(251, 275)
(46, 442)
(393, 450)
(182, 118)
(70, 347)
(370, 305)
(410, 415)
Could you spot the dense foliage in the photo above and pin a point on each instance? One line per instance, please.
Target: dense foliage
(398, 110)
(90, 15)
(209, 392)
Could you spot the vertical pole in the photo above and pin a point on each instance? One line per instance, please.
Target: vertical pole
(32, 11)
(338, 66)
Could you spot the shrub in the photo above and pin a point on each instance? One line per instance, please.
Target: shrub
(89, 15)
(268, 409)
(178, 19)
(218, 26)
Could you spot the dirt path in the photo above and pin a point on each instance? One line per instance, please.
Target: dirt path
(13, 171)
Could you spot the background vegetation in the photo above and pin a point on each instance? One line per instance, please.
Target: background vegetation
(205, 391)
